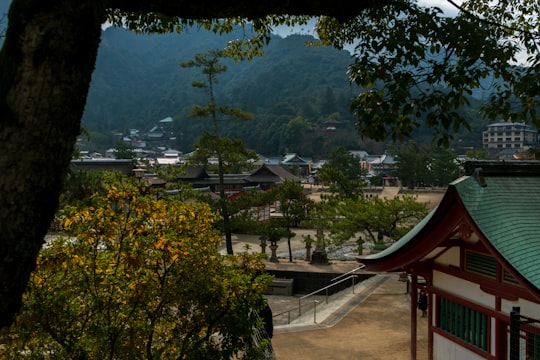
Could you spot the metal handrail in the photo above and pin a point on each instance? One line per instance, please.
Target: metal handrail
(350, 272)
(288, 312)
(353, 277)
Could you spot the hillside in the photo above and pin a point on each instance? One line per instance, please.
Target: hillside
(292, 91)
(138, 81)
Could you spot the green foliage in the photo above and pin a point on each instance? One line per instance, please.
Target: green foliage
(276, 89)
(391, 218)
(412, 164)
(343, 174)
(342, 159)
(273, 230)
(476, 154)
(518, 20)
(418, 67)
(227, 151)
(293, 202)
(124, 150)
(138, 278)
(235, 156)
(81, 185)
(443, 167)
(339, 185)
(248, 46)
(296, 131)
(294, 206)
(243, 210)
(424, 165)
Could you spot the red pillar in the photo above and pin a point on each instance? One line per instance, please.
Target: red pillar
(414, 302)
(431, 311)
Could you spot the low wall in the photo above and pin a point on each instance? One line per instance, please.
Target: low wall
(307, 282)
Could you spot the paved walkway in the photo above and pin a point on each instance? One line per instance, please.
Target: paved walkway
(373, 324)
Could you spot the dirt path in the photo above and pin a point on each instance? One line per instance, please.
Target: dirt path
(431, 198)
(378, 328)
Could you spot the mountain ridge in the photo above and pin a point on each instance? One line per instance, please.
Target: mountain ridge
(138, 81)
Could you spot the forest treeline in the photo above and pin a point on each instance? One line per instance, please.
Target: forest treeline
(297, 93)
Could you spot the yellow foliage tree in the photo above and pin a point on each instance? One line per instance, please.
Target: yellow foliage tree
(137, 277)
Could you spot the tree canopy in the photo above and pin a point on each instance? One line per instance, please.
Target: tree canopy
(417, 66)
(124, 279)
(49, 53)
(228, 151)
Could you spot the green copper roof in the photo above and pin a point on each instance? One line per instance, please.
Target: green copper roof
(507, 211)
(503, 200)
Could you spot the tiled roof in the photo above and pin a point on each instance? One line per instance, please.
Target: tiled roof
(271, 173)
(503, 201)
(194, 172)
(293, 159)
(507, 211)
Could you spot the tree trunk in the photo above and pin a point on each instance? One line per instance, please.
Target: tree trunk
(46, 65)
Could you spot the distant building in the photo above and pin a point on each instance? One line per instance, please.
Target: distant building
(332, 124)
(502, 136)
(294, 160)
(169, 157)
(122, 165)
(380, 164)
(264, 177)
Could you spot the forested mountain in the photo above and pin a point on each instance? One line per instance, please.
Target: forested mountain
(293, 91)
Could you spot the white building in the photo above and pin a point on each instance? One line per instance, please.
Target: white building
(507, 135)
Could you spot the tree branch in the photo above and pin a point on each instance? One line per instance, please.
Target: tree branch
(209, 9)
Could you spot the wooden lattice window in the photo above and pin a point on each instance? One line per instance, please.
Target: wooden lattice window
(464, 323)
(533, 346)
(481, 264)
(508, 278)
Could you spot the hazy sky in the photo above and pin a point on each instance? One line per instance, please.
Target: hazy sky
(444, 5)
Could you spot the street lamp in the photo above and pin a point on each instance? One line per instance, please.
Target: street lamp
(139, 173)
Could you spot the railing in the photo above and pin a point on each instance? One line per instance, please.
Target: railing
(288, 312)
(350, 272)
(353, 277)
(348, 275)
(315, 302)
(260, 337)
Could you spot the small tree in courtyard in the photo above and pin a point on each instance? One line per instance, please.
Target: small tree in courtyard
(211, 142)
(380, 221)
(293, 205)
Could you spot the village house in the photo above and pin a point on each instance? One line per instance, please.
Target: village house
(477, 257)
(263, 177)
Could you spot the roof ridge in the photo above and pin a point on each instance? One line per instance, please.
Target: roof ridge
(502, 167)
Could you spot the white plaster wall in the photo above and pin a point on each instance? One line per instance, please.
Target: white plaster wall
(444, 349)
(449, 257)
(467, 290)
(527, 308)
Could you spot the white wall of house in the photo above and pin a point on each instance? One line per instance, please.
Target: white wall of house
(467, 290)
(527, 308)
(445, 349)
(450, 257)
